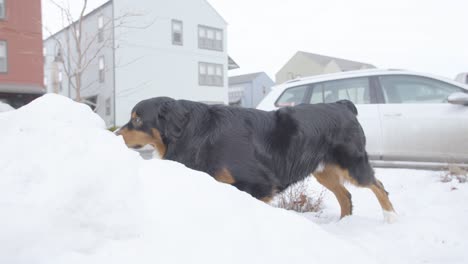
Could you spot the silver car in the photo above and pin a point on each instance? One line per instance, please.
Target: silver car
(410, 119)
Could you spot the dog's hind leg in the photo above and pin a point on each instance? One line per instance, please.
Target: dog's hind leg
(331, 176)
(361, 174)
(382, 195)
(368, 180)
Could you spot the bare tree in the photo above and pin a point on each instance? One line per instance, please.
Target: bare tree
(78, 49)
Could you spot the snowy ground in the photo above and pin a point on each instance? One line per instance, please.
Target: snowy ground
(73, 193)
(5, 107)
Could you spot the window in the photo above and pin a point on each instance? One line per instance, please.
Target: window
(44, 54)
(60, 81)
(292, 96)
(177, 32)
(2, 9)
(356, 90)
(210, 38)
(58, 55)
(91, 102)
(101, 69)
(3, 56)
(399, 89)
(210, 74)
(100, 28)
(108, 106)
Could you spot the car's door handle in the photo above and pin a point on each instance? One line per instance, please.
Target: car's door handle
(393, 115)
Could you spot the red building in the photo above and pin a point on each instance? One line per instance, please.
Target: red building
(21, 55)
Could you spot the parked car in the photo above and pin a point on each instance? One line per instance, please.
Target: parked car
(410, 119)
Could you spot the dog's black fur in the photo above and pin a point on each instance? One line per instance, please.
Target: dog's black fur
(264, 152)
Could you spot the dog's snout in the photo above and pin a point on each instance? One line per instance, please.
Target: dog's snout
(119, 130)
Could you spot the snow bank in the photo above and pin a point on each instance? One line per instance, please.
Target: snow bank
(73, 193)
(5, 107)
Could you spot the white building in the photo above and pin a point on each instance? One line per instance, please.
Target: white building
(164, 48)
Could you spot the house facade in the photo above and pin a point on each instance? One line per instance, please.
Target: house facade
(249, 89)
(304, 64)
(158, 48)
(21, 61)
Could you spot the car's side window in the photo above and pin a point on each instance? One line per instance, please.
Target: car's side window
(292, 96)
(357, 90)
(401, 89)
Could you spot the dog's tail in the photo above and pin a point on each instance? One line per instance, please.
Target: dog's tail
(351, 107)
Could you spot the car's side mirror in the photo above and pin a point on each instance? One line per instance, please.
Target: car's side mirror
(458, 98)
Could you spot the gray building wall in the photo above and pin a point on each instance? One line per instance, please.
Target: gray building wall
(91, 85)
(254, 90)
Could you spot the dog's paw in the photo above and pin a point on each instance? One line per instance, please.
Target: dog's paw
(390, 217)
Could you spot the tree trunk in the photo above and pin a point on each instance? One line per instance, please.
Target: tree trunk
(78, 86)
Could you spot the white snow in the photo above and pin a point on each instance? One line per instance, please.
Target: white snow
(432, 225)
(72, 192)
(5, 107)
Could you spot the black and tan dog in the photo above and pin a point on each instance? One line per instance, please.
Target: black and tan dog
(259, 152)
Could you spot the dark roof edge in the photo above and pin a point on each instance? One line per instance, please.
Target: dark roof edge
(22, 89)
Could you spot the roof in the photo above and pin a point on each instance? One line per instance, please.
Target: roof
(243, 78)
(216, 11)
(84, 17)
(232, 64)
(345, 65)
(21, 88)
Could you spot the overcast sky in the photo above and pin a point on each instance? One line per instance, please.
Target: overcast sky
(421, 35)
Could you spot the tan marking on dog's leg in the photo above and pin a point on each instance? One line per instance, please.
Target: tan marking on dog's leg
(388, 212)
(382, 196)
(332, 178)
(225, 176)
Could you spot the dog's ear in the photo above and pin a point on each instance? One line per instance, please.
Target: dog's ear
(175, 117)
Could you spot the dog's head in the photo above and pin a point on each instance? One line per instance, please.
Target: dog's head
(157, 121)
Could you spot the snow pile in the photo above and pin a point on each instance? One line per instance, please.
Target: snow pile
(5, 107)
(73, 193)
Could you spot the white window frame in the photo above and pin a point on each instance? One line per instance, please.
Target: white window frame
(210, 74)
(4, 57)
(101, 28)
(108, 106)
(2, 9)
(174, 23)
(60, 80)
(101, 67)
(210, 38)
